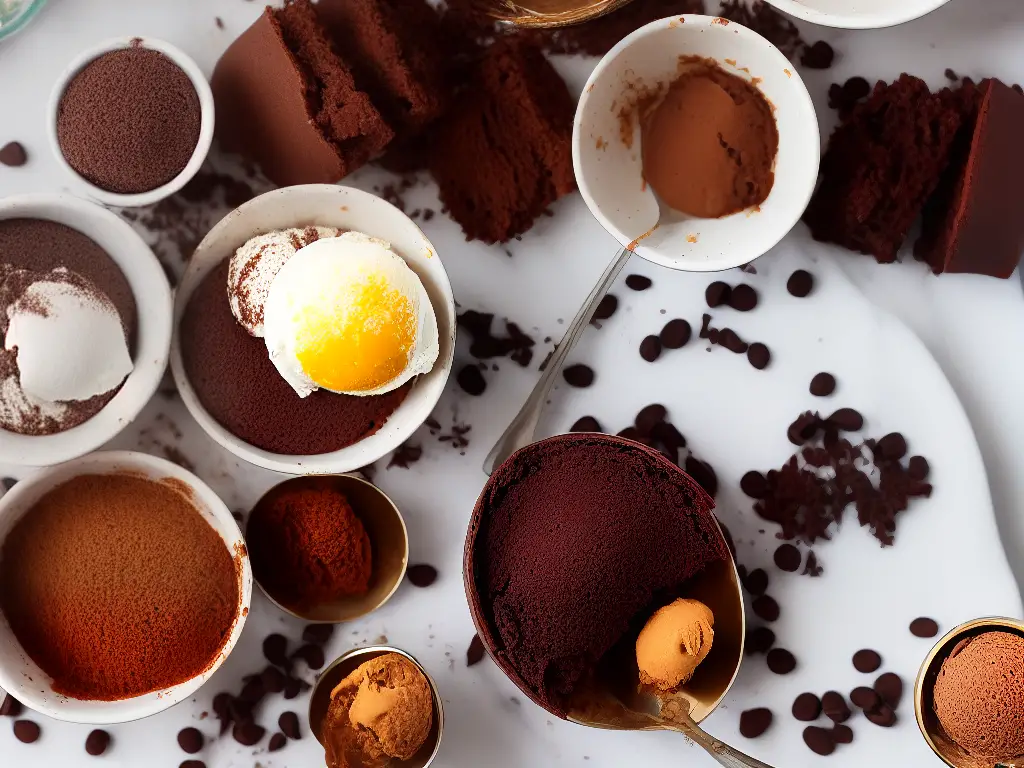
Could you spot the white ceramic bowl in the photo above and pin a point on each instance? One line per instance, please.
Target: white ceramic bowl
(23, 678)
(202, 87)
(153, 340)
(858, 14)
(610, 174)
(333, 206)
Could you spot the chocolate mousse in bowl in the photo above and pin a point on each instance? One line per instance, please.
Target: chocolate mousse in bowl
(595, 566)
(314, 330)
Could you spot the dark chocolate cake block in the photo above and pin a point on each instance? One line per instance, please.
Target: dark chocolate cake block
(288, 102)
(881, 166)
(973, 223)
(503, 153)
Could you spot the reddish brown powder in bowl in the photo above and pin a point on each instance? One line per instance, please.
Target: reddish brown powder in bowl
(116, 586)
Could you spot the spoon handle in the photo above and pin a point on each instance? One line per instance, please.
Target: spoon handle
(677, 719)
(521, 431)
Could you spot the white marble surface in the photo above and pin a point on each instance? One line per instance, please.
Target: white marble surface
(973, 326)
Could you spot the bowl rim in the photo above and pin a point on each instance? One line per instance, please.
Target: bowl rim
(27, 14)
(704, 23)
(341, 461)
(854, 20)
(206, 501)
(206, 125)
(152, 294)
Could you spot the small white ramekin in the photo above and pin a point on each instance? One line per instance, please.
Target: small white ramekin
(190, 68)
(331, 206)
(23, 678)
(152, 294)
(858, 14)
(610, 174)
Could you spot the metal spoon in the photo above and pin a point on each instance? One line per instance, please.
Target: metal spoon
(521, 431)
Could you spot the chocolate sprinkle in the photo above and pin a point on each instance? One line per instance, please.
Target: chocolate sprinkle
(923, 627)
(754, 722)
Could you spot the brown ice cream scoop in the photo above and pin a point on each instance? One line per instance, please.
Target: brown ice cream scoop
(979, 695)
(675, 640)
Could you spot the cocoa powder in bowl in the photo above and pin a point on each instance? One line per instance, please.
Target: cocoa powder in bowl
(116, 586)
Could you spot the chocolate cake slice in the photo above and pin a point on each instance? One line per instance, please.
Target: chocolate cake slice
(287, 101)
(503, 153)
(881, 165)
(973, 222)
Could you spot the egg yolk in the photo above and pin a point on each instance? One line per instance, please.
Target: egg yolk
(359, 344)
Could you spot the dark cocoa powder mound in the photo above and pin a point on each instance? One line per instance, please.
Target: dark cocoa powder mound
(129, 121)
(241, 389)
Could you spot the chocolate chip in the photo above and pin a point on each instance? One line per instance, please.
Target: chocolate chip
(787, 558)
(288, 722)
(803, 428)
(823, 384)
(754, 722)
(889, 687)
(670, 437)
(842, 734)
(190, 740)
(866, 660)
(606, 307)
(578, 375)
(918, 469)
(586, 424)
(864, 697)
(781, 661)
(812, 568)
(819, 740)
(800, 283)
(313, 655)
(241, 710)
(834, 705)
(96, 742)
(10, 707)
(248, 734)
(630, 433)
(717, 294)
(756, 582)
(883, 716)
(818, 56)
(277, 742)
(317, 634)
(475, 653)
(26, 731)
(924, 627)
(806, 707)
(273, 680)
(759, 356)
(675, 334)
(471, 380)
(638, 282)
(292, 687)
(275, 649)
(742, 298)
(754, 484)
(193, 764)
(13, 155)
(703, 473)
(846, 419)
(253, 690)
(422, 575)
(892, 447)
(650, 348)
(649, 417)
(759, 640)
(951, 75)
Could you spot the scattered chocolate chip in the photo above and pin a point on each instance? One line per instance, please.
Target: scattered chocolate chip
(241, 710)
(806, 707)
(605, 308)
(753, 484)
(818, 56)
(842, 734)
(800, 283)
(273, 680)
(803, 428)
(742, 298)
(675, 334)
(846, 419)
(630, 433)
(918, 469)
(788, 558)
(422, 575)
(313, 655)
(756, 582)
(823, 384)
(10, 707)
(883, 716)
(275, 649)
(812, 568)
(649, 417)
(13, 155)
(586, 424)
(288, 722)
(96, 742)
(221, 704)
(866, 660)
(26, 731)
(759, 356)
(864, 697)
(317, 634)
(292, 687)
(703, 473)
(517, 345)
(889, 687)
(781, 661)
(819, 740)
(717, 294)
(471, 380)
(924, 627)
(650, 348)
(9, 482)
(253, 690)
(834, 705)
(892, 447)
(845, 97)
(248, 734)
(475, 653)
(578, 375)
(951, 75)
(638, 282)
(193, 764)
(754, 722)
(277, 742)
(191, 740)
(759, 640)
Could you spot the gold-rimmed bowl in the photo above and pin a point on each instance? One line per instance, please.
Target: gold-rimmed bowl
(548, 13)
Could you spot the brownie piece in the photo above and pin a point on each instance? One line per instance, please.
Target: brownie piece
(287, 101)
(503, 153)
(881, 165)
(973, 223)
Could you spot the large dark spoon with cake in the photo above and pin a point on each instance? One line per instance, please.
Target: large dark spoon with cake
(602, 585)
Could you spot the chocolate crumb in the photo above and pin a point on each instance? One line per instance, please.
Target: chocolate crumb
(918, 469)
(516, 345)
(754, 722)
(638, 282)
(219, 22)
(812, 567)
(193, 764)
(475, 652)
(753, 484)
(422, 575)
(883, 716)
(951, 75)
